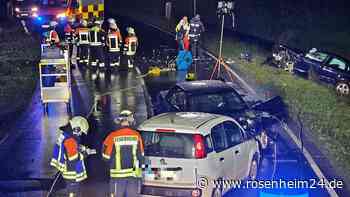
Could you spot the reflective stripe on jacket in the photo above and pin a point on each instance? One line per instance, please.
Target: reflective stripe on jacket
(95, 35)
(130, 45)
(124, 151)
(83, 35)
(67, 158)
(113, 40)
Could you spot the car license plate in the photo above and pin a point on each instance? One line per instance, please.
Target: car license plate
(24, 15)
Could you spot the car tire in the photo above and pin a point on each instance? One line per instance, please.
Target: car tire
(343, 88)
(216, 192)
(312, 75)
(253, 170)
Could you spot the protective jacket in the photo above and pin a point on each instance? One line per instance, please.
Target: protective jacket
(67, 158)
(114, 40)
(182, 29)
(53, 37)
(196, 28)
(123, 149)
(83, 35)
(130, 45)
(96, 36)
(68, 33)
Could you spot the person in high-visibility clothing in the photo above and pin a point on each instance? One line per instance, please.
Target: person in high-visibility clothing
(182, 30)
(124, 151)
(53, 37)
(114, 42)
(69, 34)
(82, 33)
(69, 154)
(130, 46)
(96, 35)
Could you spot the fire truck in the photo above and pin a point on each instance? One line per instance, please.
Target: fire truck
(61, 10)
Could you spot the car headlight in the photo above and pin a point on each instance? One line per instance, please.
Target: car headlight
(61, 15)
(17, 9)
(34, 9)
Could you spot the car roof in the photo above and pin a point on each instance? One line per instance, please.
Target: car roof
(204, 86)
(181, 122)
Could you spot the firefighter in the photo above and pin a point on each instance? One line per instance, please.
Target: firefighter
(114, 42)
(182, 30)
(69, 34)
(130, 46)
(52, 38)
(196, 29)
(69, 154)
(96, 35)
(123, 149)
(82, 33)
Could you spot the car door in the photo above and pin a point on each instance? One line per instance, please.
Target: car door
(238, 150)
(333, 69)
(222, 154)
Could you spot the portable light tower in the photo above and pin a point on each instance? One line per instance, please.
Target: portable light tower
(224, 8)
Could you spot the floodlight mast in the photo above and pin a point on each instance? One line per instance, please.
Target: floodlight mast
(223, 8)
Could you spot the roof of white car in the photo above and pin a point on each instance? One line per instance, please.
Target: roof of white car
(182, 122)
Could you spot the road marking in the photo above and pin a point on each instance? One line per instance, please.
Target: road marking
(25, 27)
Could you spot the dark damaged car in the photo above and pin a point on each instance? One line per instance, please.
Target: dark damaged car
(326, 67)
(218, 97)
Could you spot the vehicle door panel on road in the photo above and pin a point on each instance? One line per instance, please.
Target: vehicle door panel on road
(223, 154)
(333, 70)
(238, 150)
(177, 100)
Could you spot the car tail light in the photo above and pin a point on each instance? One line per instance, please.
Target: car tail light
(196, 193)
(199, 148)
(17, 9)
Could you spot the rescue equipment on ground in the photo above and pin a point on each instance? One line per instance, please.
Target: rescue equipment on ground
(183, 60)
(54, 76)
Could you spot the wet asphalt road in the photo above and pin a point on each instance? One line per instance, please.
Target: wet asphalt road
(29, 154)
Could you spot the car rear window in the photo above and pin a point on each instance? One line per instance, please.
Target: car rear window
(168, 144)
(216, 102)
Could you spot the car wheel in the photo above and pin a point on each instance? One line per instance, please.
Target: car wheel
(216, 193)
(312, 75)
(253, 171)
(343, 88)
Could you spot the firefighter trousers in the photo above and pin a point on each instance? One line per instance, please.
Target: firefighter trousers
(96, 55)
(114, 58)
(83, 52)
(130, 59)
(73, 188)
(125, 187)
(194, 49)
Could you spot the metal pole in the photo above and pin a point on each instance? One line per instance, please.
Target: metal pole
(220, 47)
(194, 7)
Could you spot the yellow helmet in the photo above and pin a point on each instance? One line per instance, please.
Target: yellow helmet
(126, 115)
(80, 123)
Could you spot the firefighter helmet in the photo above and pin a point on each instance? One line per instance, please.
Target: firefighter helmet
(53, 23)
(126, 115)
(130, 30)
(84, 23)
(79, 123)
(111, 21)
